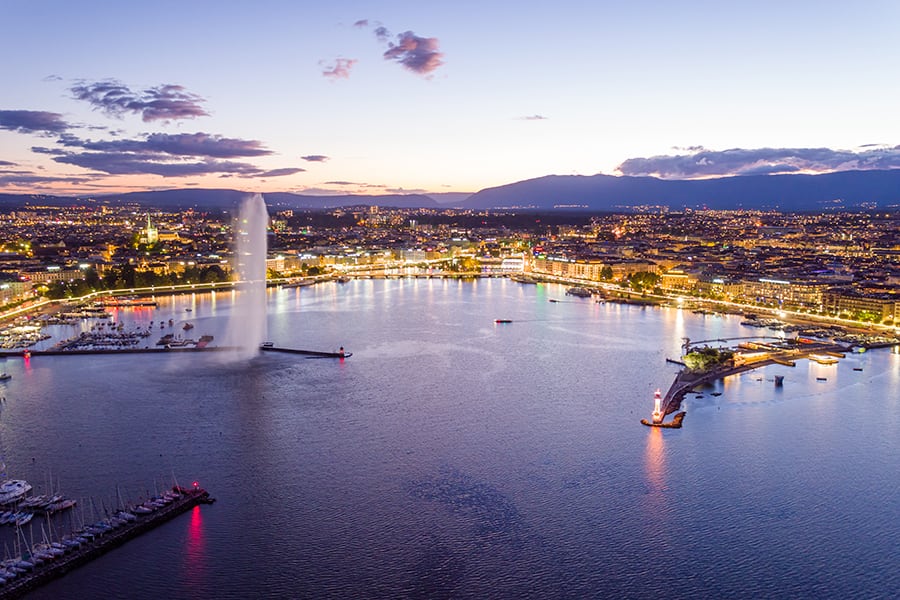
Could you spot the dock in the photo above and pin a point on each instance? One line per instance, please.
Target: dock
(44, 573)
(267, 347)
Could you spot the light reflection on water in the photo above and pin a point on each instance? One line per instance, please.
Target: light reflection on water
(454, 457)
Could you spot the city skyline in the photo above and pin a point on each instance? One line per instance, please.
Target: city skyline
(407, 98)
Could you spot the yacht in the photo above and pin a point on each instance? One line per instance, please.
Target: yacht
(579, 291)
(13, 489)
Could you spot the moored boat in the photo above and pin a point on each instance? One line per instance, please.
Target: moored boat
(579, 291)
(12, 490)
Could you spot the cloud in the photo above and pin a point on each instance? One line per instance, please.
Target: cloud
(382, 34)
(31, 179)
(362, 23)
(738, 161)
(341, 183)
(401, 190)
(181, 144)
(339, 69)
(314, 158)
(533, 118)
(117, 163)
(32, 121)
(417, 54)
(167, 102)
(6, 163)
(51, 151)
(281, 172)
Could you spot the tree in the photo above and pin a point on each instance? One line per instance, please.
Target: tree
(706, 359)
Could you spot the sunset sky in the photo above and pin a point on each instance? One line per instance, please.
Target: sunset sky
(387, 97)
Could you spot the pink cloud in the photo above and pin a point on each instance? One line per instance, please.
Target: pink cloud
(339, 69)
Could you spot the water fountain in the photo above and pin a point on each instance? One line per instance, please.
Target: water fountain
(247, 323)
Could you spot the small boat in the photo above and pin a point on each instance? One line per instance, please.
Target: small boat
(857, 368)
(502, 320)
(821, 379)
(823, 359)
(188, 309)
(187, 326)
(579, 291)
(5, 376)
(553, 300)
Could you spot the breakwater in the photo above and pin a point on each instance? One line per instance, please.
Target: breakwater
(308, 353)
(101, 544)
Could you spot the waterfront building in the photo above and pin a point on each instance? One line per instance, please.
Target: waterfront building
(785, 293)
(853, 303)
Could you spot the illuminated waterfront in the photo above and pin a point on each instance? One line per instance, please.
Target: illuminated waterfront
(452, 456)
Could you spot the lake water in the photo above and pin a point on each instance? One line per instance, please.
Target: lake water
(452, 457)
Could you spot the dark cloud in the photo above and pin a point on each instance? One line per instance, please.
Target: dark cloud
(382, 33)
(419, 55)
(180, 144)
(161, 103)
(362, 23)
(52, 78)
(281, 172)
(117, 163)
(339, 68)
(341, 183)
(51, 151)
(32, 121)
(32, 179)
(6, 163)
(533, 118)
(401, 190)
(314, 158)
(738, 161)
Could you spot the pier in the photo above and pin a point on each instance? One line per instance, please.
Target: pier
(748, 356)
(268, 347)
(44, 573)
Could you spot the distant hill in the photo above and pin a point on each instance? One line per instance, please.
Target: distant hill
(846, 189)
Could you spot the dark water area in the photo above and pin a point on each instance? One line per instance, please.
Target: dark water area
(453, 457)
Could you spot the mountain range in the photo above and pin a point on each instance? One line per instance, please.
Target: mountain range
(841, 190)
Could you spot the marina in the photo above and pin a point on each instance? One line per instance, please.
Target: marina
(52, 560)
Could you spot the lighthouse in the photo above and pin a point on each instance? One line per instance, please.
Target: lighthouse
(657, 409)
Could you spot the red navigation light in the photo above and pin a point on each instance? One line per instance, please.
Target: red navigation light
(196, 484)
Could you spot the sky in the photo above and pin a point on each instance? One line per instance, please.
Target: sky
(105, 97)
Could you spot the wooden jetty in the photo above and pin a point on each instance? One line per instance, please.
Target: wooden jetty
(42, 574)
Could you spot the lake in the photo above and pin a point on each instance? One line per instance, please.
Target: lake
(455, 457)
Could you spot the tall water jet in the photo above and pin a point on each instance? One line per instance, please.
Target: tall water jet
(247, 323)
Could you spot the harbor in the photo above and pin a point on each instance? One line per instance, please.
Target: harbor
(746, 356)
(42, 564)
